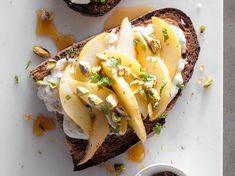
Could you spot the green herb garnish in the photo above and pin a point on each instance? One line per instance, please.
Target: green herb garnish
(202, 28)
(115, 61)
(164, 116)
(151, 34)
(180, 86)
(72, 51)
(164, 83)
(105, 81)
(95, 77)
(53, 85)
(68, 97)
(119, 168)
(157, 129)
(17, 79)
(165, 34)
(28, 64)
(145, 76)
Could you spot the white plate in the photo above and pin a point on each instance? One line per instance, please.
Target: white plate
(192, 138)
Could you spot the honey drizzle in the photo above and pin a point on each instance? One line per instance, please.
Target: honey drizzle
(136, 153)
(48, 28)
(122, 12)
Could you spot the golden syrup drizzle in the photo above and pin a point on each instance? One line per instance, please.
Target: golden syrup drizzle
(136, 153)
(48, 28)
(122, 12)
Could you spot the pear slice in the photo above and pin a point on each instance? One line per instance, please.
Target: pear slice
(99, 132)
(170, 47)
(88, 52)
(125, 38)
(155, 67)
(128, 100)
(72, 105)
(133, 64)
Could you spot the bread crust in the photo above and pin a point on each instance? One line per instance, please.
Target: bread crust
(93, 8)
(115, 145)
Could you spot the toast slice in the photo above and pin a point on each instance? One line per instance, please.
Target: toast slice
(93, 8)
(115, 145)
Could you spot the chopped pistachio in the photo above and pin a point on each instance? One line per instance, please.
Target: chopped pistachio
(41, 83)
(28, 64)
(150, 110)
(46, 15)
(116, 118)
(95, 77)
(149, 85)
(163, 116)
(68, 97)
(202, 28)
(101, 56)
(17, 79)
(51, 64)
(82, 91)
(164, 83)
(94, 100)
(96, 69)
(157, 129)
(146, 77)
(112, 101)
(115, 61)
(154, 94)
(180, 86)
(208, 83)
(42, 52)
(155, 46)
(119, 168)
(53, 85)
(84, 68)
(137, 82)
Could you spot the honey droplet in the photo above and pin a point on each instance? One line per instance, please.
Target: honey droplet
(136, 153)
(120, 13)
(46, 27)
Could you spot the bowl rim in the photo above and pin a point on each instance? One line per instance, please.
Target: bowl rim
(174, 168)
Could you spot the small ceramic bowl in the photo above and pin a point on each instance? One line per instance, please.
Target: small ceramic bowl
(161, 167)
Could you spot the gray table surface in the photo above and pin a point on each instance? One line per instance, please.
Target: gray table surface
(229, 87)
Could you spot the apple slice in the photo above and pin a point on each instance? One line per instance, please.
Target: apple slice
(170, 48)
(88, 52)
(128, 101)
(125, 38)
(99, 132)
(72, 105)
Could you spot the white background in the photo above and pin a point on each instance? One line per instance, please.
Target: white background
(195, 123)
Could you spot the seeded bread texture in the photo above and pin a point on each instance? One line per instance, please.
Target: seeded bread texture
(93, 8)
(115, 145)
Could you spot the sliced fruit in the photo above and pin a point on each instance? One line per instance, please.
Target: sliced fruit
(72, 106)
(163, 85)
(142, 103)
(125, 38)
(127, 100)
(99, 132)
(123, 126)
(88, 52)
(170, 47)
(133, 64)
(142, 49)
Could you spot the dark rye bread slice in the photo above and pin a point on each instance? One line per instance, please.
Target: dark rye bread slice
(93, 8)
(115, 145)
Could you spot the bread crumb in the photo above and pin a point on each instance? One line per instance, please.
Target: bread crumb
(201, 67)
(199, 80)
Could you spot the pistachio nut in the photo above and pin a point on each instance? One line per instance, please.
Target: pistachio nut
(94, 100)
(112, 101)
(82, 91)
(154, 45)
(84, 68)
(41, 52)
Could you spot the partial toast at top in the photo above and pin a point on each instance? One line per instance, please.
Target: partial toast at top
(93, 8)
(115, 145)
